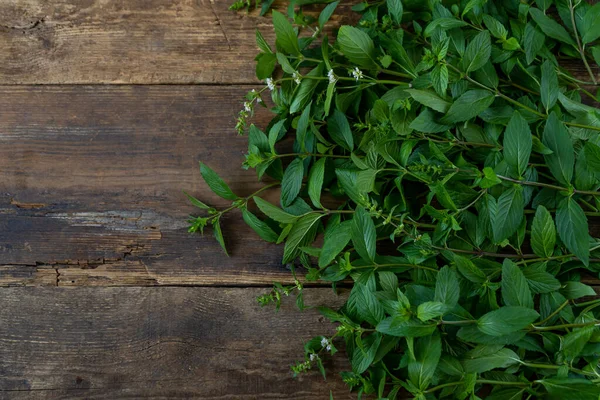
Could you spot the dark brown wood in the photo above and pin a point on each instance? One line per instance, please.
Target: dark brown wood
(110, 343)
(134, 41)
(91, 181)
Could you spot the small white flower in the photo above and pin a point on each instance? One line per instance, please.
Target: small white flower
(313, 357)
(331, 76)
(270, 84)
(247, 106)
(253, 91)
(258, 100)
(356, 73)
(324, 342)
(297, 77)
(328, 347)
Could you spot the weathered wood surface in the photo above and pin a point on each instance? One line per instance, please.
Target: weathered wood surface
(113, 343)
(91, 181)
(133, 41)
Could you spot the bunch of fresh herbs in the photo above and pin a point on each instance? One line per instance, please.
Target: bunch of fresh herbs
(445, 167)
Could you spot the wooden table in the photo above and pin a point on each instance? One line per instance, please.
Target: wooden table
(106, 107)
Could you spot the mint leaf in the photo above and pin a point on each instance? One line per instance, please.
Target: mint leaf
(515, 290)
(562, 159)
(274, 212)
(428, 351)
(286, 39)
(543, 233)
(549, 85)
(572, 226)
(468, 106)
(447, 288)
(517, 144)
(339, 130)
(315, 182)
(357, 46)
(507, 213)
(478, 363)
(334, 242)
(364, 235)
(506, 320)
(550, 27)
(261, 228)
(292, 182)
(216, 184)
(477, 53)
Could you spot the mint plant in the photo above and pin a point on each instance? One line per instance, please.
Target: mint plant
(444, 166)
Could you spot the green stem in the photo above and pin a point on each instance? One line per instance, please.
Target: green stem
(549, 317)
(464, 322)
(546, 185)
(579, 46)
(375, 266)
(245, 200)
(308, 155)
(564, 326)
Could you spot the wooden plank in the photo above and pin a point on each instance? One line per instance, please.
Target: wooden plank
(91, 182)
(209, 343)
(135, 41)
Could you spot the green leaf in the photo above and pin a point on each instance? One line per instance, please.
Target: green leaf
(216, 184)
(301, 234)
(429, 99)
(368, 306)
(334, 242)
(469, 270)
(562, 160)
(517, 144)
(364, 235)
(496, 28)
(439, 78)
(507, 213)
(262, 43)
(412, 328)
(591, 24)
(576, 290)
(489, 179)
(197, 202)
(502, 358)
(286, 39)
(315, 182)
(265, 65)
(292, 182)
(477, 53)
(549, 85)
(574, 342)
(468, 106)
(506, 320)
(219, 234)
(428, 351)
(592, 156)
(306, 89)
(572, 226)
(357, 46)
(425, 122)
(339, 130)
(550, 27)
(274, 212)
(543, 233)
(430, 310)
(395, 9)
(262, 229)
(539, 280)
(571, 388)
(515, 290)
(533, 42)
(447, 289)
(327, 13)
(363, 357)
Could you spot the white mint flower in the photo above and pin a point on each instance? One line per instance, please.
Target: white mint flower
(313, 357)
(331, 76)
(356, 73)
(324, 342)
(297, 77)
(328, 347)
(247, 106)
(270, 84)
(258, 100)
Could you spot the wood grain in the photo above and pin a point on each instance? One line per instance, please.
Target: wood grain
(91, 181)
(134, 41)
(109, 343)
